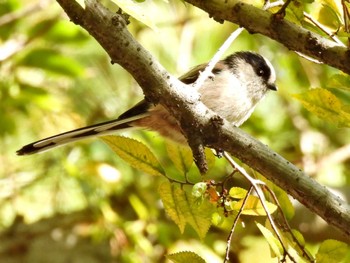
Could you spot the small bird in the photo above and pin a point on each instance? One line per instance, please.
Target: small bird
(237, 84)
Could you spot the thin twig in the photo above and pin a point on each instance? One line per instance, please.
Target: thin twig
(320, 26)
(308, 58)
(229, 239)
(255, 183)
(286, 224)
(282, 11)
(208, 69)
(346, 15)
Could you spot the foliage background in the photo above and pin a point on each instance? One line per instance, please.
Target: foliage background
(55, 77)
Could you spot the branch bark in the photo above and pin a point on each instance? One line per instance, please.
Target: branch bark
(292, 36)
(110, 30)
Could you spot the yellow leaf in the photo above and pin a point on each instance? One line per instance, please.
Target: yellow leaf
(238, 192)
(326, 106)
(183, 208)
(210, 157)
(185, 256)
(140, 11)
(274, 243)
(135, 153)
(253, 206)
(170, 194)
(180, 155)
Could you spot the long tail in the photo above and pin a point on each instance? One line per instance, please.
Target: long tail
(79, 134)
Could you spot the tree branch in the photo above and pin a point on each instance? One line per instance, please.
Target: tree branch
(110, 30)
(292, 36)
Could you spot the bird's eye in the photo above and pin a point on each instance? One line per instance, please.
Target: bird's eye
(261, 72)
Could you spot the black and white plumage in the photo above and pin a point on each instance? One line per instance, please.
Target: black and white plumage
(240, 81)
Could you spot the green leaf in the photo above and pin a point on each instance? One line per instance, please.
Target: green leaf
(199, 189)
(135, 153)
(332, 251)
(297, 7)
(138, 11)
(170, 195)
(274, 243)
(329, 17)
(180, 155)
(285, 203)
(210, 157)
(303, 252)
(52, 60)
(186, 256)
(253, 206)
(217, 219)
(299, 237)
(184, 209)
(283, 198)
(197, 215)
(326, 106)
(238, 192)
(339, 81)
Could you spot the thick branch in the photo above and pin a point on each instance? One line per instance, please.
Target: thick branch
(110, 31)
(292, 36)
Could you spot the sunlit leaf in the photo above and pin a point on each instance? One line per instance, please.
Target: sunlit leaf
(296, 242)
(329, 17)
(334, 5)
(238, 192)
(199, 189)
(339, 81)
(253, 206)
(197, 215)
(274, 244)
(297, 8)
(135, 153)
(170, 194)
(282, 197)
(210, 157)
(183, 208)
(138, 10)
(185, 256)
(332, 251)
(180, 155)
(217, 219)
(326, 106)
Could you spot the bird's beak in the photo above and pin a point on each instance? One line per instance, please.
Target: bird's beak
(272, 86)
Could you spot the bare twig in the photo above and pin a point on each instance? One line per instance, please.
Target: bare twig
(346, 15)
(208, 69)
(282, 12)
(286, 224)
(228, 246)
(324, 29)
(255, 184)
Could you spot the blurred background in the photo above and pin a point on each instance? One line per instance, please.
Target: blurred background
(82, 203)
